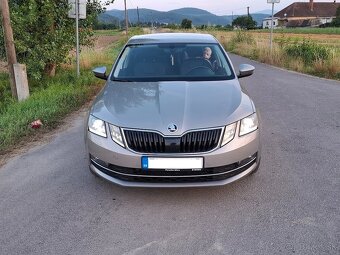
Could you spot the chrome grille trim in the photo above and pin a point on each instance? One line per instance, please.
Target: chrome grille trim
(171, 176)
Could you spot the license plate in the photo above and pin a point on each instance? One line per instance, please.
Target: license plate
(172, 163)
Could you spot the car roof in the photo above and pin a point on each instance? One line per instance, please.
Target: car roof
(172, 38)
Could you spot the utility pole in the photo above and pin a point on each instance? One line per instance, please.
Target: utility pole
(272, 2)
(248, 11)
(271, 30)
(138, 15)
(9, 44)
(126, 19)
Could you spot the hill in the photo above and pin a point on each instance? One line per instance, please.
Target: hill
(198, 16)
(107, 19)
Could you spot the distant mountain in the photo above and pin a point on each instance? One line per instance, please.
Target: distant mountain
(107, 19)
(267, 11)
(197, 16)
(191, 11)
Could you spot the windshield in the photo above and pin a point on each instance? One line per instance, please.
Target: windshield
(172, 62)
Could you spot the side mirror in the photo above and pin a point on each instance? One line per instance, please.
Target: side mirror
(100, 72)
(245, 70)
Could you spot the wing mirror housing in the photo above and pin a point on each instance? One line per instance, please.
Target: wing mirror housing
(245, 70)
(100, 72)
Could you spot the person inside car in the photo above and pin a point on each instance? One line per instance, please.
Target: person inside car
(207, 52)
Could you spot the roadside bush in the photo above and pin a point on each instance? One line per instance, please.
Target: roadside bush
(44, 35)
(308, 51)
(5, 92)
(242, 36)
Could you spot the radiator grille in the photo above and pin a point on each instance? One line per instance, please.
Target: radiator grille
(192, 142)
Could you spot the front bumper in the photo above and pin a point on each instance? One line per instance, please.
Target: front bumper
(216, 176)
(224, 165)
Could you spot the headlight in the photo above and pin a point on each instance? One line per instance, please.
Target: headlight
(229, 133)
(116, 135)
(97, 126)
(249, 124)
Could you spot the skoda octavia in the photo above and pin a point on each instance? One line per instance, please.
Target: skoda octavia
(173, 114)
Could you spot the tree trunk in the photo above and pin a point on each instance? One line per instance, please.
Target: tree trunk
(9, 44)
(50, 69)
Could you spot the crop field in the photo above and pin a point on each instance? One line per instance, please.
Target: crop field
(329, 40)
(328, 30)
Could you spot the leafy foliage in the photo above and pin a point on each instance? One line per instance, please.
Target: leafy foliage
(186, 24)
(43, 33)
(308, 51)
(336, 21)
(242, 37)
(244, 22)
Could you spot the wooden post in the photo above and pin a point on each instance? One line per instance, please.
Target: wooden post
(9, 44)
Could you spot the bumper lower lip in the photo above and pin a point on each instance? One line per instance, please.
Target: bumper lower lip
(124, 183)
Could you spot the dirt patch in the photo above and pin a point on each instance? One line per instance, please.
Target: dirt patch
(105, 41)
(101, 42)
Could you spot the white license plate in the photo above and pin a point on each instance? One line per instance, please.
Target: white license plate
(172, 163)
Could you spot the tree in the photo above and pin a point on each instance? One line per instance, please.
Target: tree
(244, 22)
(44, 35)
(336, 21)
(186, 24)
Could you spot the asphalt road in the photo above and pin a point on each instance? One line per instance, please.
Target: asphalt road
(51, 204)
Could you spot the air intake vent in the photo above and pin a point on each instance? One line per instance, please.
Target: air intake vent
(200, 141)
(147, 142)
(192, 142)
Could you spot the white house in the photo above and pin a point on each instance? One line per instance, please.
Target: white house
(267, 22)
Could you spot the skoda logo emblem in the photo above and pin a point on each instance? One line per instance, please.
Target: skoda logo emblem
(172, 128)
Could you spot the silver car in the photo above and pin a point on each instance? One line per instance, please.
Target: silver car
(173, 114)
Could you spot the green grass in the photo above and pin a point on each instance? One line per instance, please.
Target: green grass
(313, 54)
(326, 30)
(107, 32)
(63, 94)
(5, 92)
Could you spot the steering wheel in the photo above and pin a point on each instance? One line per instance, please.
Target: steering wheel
(207, 63)
(206, 70)
(194, 63)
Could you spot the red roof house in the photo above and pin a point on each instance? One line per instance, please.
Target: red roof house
(307, 14)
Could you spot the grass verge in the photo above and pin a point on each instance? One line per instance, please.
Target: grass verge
(64, 93)
(50, 99)
(327, 30)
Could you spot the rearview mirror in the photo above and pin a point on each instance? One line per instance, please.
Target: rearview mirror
(245, 70)
(100, 72)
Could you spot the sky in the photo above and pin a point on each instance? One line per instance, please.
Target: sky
(218, 7)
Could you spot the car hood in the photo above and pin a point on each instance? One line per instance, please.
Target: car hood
(156, 105)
